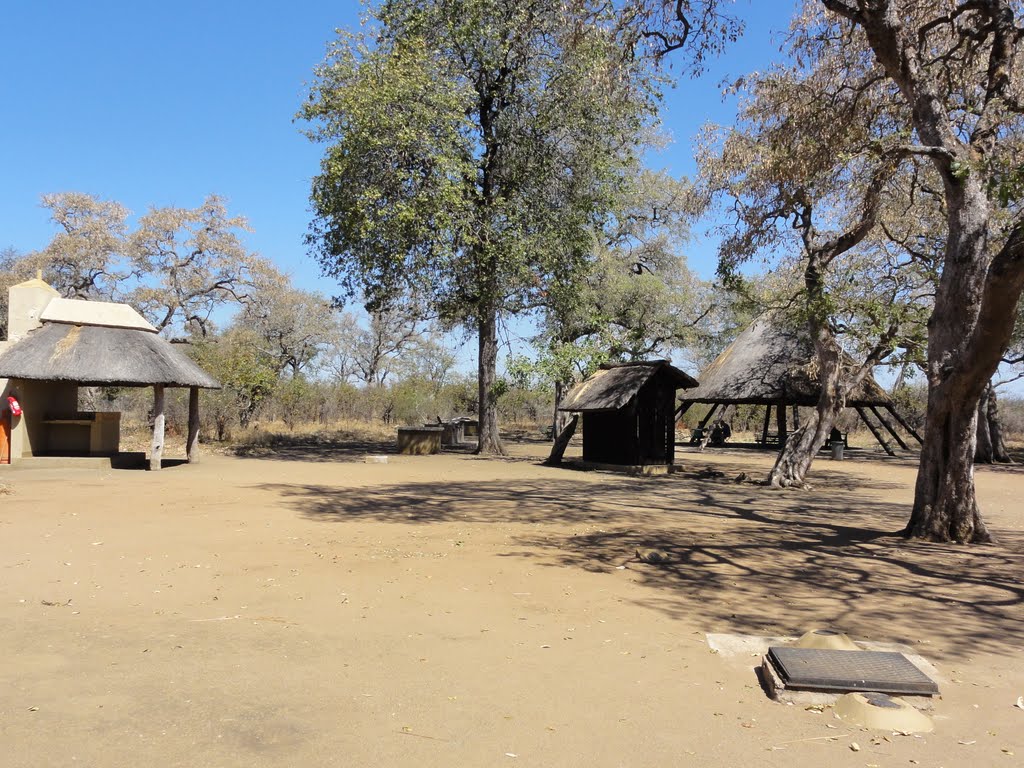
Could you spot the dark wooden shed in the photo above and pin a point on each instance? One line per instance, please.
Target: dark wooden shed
(629, 412)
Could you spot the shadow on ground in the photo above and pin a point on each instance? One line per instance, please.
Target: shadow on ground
(740, 557)
(343, 446)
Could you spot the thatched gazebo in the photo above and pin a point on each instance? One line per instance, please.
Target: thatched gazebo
(628, 412)
(57, 345)
(774, 366)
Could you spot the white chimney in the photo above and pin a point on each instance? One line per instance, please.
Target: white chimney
(25, 303)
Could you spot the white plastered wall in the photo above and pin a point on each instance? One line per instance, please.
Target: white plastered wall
(26, 303)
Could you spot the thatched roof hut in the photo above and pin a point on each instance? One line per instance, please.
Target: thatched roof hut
(772, 364)
(613, 385)
(768, 364)
(628, 412)
(57, 345)
(92, 356)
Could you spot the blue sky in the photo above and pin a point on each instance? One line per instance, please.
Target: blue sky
(154, 104)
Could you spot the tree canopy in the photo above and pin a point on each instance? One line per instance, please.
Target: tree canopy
(473, 148)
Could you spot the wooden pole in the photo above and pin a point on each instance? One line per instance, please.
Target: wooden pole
(874, 431)
(888, 428)
(711, 413)
(670, 426)
(767, 423)
(903, 423)
(562, 441)
(704, 423)
(705, 434)
(192, 446)
(781, 414)
(156, 451)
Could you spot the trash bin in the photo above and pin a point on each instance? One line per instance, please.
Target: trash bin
(837, 450)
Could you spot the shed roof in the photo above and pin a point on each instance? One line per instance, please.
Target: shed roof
(96, 355)
(614, 385)
(103, 313)
(771, 363)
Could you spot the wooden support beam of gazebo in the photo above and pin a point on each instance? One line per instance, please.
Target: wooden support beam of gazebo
(874, 431)
(192, 446)
(888, 428)
(156, 449)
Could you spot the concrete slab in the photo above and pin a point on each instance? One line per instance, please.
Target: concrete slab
(756, 647)
(643, 470)
(130, 460)
(777, 690)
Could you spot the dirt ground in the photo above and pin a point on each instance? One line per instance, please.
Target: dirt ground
(308, 609)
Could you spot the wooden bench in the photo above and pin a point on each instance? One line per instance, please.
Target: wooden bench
(772, 438)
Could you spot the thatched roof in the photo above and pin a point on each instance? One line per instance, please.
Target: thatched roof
(94, 355)
(614, 385)
(768, 363)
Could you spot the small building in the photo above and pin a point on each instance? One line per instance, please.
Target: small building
(628, 412)
(57, 345)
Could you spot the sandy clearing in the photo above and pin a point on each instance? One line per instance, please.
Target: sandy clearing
(453, 610)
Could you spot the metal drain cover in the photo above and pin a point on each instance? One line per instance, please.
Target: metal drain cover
(813, 669)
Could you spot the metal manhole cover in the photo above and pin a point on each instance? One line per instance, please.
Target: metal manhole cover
(814, 669)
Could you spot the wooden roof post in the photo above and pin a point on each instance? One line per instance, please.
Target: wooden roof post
(192, 447)
(780, 412)
(767, 423)
(156, 451)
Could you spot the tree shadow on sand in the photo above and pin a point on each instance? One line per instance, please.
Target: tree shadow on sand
(326, 447)
(740, 557)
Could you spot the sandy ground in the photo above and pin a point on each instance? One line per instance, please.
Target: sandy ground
(308, 609)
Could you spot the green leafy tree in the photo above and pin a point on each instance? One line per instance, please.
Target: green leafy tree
(472, 147)
(238, 360)
(633, 299)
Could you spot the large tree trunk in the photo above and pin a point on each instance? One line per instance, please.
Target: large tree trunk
(489, 439)
(945, 506)
(977, 296)
(968, 331)
(990, 448)
(560, 419)
(995, 429)
(803, 445)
